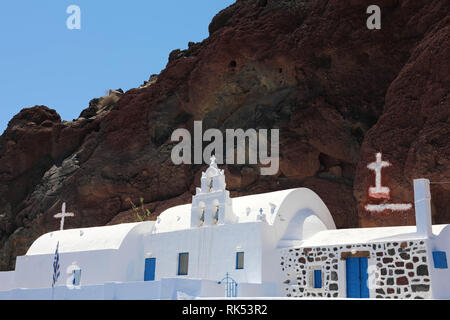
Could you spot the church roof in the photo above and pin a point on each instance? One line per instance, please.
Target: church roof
(86, 239)
(178, 218)
(248, 208)
(366, 235)
(274, 205)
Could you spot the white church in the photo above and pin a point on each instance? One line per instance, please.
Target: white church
(279, 244)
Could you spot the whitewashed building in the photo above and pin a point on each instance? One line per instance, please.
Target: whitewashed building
(277, 244)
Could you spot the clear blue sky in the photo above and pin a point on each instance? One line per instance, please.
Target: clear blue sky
(120, 44)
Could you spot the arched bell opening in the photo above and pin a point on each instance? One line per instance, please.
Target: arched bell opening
(201, 213)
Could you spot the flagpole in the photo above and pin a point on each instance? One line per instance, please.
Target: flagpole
(55, 270)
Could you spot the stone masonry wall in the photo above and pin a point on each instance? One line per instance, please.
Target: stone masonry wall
(397, 270)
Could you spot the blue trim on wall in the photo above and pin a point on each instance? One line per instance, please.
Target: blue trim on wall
(440, 260)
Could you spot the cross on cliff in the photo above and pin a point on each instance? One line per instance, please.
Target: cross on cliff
(62, 215)
(378, 191)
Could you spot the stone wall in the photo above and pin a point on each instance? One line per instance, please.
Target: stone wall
(397, 270)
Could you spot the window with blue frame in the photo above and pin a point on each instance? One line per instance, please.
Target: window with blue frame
(317, 279)
(440, 259)
(183, 263)
(76, 277)
(239, 260)
(149, 271)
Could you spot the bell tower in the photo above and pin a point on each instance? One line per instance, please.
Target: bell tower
(211, 204)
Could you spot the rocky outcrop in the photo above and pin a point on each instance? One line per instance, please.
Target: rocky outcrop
(99, 105)
(414, 129)
(337, 91)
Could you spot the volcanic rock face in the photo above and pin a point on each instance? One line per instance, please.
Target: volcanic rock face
(413, 131)
(337, 91)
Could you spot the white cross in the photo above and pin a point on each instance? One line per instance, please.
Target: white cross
(62, 215)
(378, 191)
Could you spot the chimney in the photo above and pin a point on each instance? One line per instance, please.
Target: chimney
(422, 206)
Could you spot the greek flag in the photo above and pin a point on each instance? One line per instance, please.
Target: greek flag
(56, 272)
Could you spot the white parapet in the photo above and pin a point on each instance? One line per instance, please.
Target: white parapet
(422, 204)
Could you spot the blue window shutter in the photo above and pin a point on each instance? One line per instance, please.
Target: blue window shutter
(317, 278)
(440, 259)
(363, 265)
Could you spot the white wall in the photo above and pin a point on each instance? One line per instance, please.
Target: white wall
(36, 271)
(6, 280)
(267, 289)
(212, 253)
(271, 271)
(297, 227)
(173, 289)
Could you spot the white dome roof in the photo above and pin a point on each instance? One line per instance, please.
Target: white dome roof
(86, 239)
(279, 207)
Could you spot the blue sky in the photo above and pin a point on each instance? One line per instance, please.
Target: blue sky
(120, 44)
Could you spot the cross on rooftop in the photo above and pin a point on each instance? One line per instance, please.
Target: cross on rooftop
(213, 161)
(378, 191)
(62, 215)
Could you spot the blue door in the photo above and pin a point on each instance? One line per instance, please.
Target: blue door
(150, 264)
(363, 275)
(357, 277)
(353, 284)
